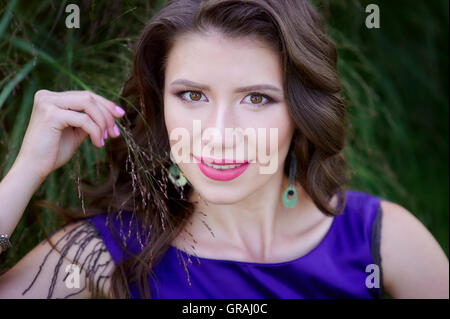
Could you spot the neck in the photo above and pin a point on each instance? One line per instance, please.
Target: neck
(252, 223)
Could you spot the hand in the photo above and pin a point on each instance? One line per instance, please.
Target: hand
(56, 129)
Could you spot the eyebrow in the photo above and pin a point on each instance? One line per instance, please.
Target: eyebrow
(238, 90)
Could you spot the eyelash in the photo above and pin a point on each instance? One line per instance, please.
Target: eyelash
(269, 99)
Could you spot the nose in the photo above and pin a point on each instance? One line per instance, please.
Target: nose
(220, 119)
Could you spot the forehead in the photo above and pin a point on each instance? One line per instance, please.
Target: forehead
(217, 59)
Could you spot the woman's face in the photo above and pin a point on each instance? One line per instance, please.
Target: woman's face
(205, 98)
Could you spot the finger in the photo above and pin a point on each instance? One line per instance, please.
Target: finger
(68, 118)
(111, 106)
(83, 102)
(79, 99)
(109, 122)
(114, 109)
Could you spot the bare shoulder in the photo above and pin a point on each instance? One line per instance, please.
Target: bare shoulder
(74, 264)
(414, 265)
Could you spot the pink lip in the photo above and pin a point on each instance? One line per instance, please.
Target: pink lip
(221, 175)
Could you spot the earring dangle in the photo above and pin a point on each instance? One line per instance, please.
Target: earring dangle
(176, 176)
(290, 194)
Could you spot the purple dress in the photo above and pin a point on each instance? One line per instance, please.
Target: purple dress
(336, 268)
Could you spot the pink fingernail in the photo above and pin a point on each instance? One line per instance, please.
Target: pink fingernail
(116, 130)
(103, 142)
(105, 136)
(120, 110)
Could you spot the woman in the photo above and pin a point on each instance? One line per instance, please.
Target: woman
(263, 213)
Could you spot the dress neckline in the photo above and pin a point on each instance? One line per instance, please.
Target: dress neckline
(257, 264)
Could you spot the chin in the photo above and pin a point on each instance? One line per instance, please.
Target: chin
(221, 195)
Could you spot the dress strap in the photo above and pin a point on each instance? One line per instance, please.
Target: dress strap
(375, 247)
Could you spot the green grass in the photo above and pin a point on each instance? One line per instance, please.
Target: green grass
(37, 51)
(395, 79)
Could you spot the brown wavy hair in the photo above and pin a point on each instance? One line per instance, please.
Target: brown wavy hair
(139, 161)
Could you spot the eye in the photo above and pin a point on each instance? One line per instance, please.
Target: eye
(256, 99)
(192, 96)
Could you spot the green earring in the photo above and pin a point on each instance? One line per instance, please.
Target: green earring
(290, 194)
(176, 176)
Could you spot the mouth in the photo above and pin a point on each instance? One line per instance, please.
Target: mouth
(221, 169)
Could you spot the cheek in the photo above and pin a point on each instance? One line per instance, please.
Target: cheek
(282, 125)
(175, 123)
(169, 118)
(179, 116)
(285, 133)
(285, 127)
